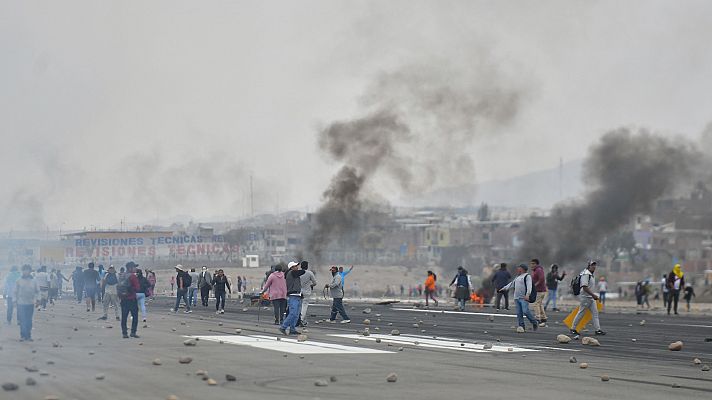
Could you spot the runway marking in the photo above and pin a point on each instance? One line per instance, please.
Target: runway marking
(288, 345)
(440, 343)
(455, 312)
(690, 325)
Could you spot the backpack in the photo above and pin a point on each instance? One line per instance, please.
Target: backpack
(187, 280)
(123, 288)
(532, 294)
(576, 285)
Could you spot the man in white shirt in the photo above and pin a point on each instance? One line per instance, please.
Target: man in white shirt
(587, 299)
(308, 281)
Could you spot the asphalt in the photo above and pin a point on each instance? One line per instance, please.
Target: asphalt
(451, 358)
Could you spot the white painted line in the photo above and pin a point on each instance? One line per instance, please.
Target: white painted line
(288, 345)
(439, 343)
(692, 326)
(506, 345)
(455, 312)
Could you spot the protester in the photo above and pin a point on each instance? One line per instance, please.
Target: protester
(193, 289)
(463, 285)
(100, 291)
(500, 279)
(539, 278)
(9, 291)
(602, 289)
(239, 284)
(689, 294)
(675, 283)
(182, 280)
(78, 284)
(552, 285)
(294, 298)
(665, 290)
(152, 281)
(244, 283)
(336, 288)
(523, 286)
(127, 288)
(142, 293)
(308, 281)
(53, 286)
(638, 291)
(204, 284)
(42, 279)
(276, 289)
(91, 277)
(111, 297)
(220, 283)
(430, 288)
(60, 283)
(173, 283)
(343, 274)
(587, 299)
(645, 293)
(26, 292)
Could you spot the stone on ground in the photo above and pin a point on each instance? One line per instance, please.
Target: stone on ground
(367, 321)
(563, 339)
(697, 361)
(157, 361)
(589, 341)
(705, 368)
(367, 310)
(30, 381)
(572, 360)
(392, 377)
(185, 360)
(605, 378)
(332, 379)
(9, 386)
(321, 382)
(520, 329)
(302, 338)
(583, 365)
(238, 331)
(675, 346)
(395, 332)
(230, 378)
(190, 342)
(212, 382)
(99, 377)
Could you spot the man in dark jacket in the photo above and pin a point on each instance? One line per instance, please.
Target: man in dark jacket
(129, 304)
(552, 284)
(205, 284)
(294, 298)
(183, 281)
(220, 282)
(500, 279)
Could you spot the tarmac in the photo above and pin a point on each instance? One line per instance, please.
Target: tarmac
(439, 353)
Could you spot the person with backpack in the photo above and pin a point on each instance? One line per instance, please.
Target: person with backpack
(583, 286)
(463, 285)
(111, 296)
(524, 291)
(430, 288)
(552, 285)
(26, 292)
(145, 287)
(336, 288)
(205, 285)
(126, 289)
(220, 283)
(500, 279)
(276, 288)
(183, 282)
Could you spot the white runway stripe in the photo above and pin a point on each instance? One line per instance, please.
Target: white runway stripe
(289, 345)
(455, 312)
(439, 343)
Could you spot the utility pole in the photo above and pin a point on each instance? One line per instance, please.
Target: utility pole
(561, 178)
(252, 199)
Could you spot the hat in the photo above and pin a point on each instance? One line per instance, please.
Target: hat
(592, 262)
(180, 268)
(111, 267)
(131, 264)
(523, 266)
(334, 268)
(292, 264)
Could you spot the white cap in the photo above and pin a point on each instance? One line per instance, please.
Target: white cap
(292, 264)
(179, 267)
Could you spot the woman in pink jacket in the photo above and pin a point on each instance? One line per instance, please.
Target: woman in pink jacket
(276, 287)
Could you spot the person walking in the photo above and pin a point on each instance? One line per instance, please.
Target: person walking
(689, 294)
(244, 283)
(539, 278)
(42, 279)
(220, 286)
(193, 289)
(78, 283)
(501, 279)
(294, 298)
(142, 293)
(60, 283)
(91, 277)
(675, 284)
(552, 285)
(111, 297)
(276, 288)
(603, 289)
(430, 288)
(53, 286)
(9, 292)
(204, 284)
(100, 291)
(587, 300)
(665, 291)
(523, 286)
(182, 280)
(173, 283)
(127, 288)
(336, 288)
(152, 281)
(308, 281)
(239, 284)
(26, 292)
(463, 285)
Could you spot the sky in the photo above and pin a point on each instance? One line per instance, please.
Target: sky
(154, 110)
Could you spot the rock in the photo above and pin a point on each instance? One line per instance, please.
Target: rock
(44, 373)
(605, 378)
(332, 379)
(321, 382)
(230, 378)
(676, 385)
(563, 339)
(487, 346)
(99, 377)
(30, 381)
(675, 346)
(378, 315)
(9, 386)
(220, 324)
(378, 340)
(185, 360)
(583, 365)
(697, 361)
(392, 377)
(705, 368)
(302, 338)
(395, 332)
(173, 329)
(244, 309)
(589, 341)
(520, 329)
(400, 349)
(201, 372)
(510, 349)
(157, 361)
(55, 344)
(642, 323)
(91, 353)
(367, 321)
(75, 329)
(634, 340)
(572, 360)
(211, 382)
(31, 368)
(190, 342)
(238, 331)
(366, 333)
(50, 362)
(367, 310)
(182, 322)
(491, 318)
(485, 332)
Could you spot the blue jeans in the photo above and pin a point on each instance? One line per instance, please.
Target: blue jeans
(193, 296)
(461, 304)
(551, 297)
(10, 308)
(141, 298)
(24, 315)
(182, 294)
(522, 311)
(295, 307)
(338, 307)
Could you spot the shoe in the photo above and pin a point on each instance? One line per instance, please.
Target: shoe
(574, 332)
(125, 336)
(217, 312)
(346, 321)
(104, 318)
(276, 322)
(222, 311)
(295, 333)
(283, 331)
(535, 327)
(600, 332)
(87, 310)
(188, 311)
(135, 336)
(144, 320)
(304, 324)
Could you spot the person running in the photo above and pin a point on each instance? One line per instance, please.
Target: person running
(42, 279)
(500, 279)
(141, 294)
(552, 285)
(587, 300)
(336, 288)
(91, 277)
(78, 284)
(9, 292)
(111, 297)
(127, 288)
(430, 288)
(220, 283)
(182, 280)
(204, 284)
(193, 289)
(276, 288)
(26, 292)
(603, 289)
(523, 286)
(675, 284)
(689, 294)
(308, 283)
(294, 298)
(539, 278)
(463, 285)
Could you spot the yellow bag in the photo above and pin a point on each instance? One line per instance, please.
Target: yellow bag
(587, 317)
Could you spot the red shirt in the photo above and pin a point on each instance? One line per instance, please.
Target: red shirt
(133, 281)
(539, 279)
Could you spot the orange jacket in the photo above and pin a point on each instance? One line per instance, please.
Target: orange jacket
(430, 283)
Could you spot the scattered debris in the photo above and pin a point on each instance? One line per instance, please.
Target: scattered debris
(157, 361)
(583, 365)
(697, 361)
(201, 372)
(212, 382)
(634, 340)
(400, 349)
(244, 309)
(230, 378)
(99, 377)
(705, 368)
(9, 386)
(572, 360)
(190, 342)
(642, 323)
(392, 377)
(367, 321)
(367, 310)
(378, 340)
(302, 338)
(605, 378)
(238, 331)
(185, 360)
(676, 385)
(31, 368)
(395, 332)
(30, 381)
(321, 382)
(675, 346)
(563, 339)
(520, 329)
(589, 341)
(487, 346)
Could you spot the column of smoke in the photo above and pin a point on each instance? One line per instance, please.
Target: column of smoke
(414, 135)
(626, 171)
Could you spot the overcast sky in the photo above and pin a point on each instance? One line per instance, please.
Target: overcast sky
(146, 109)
